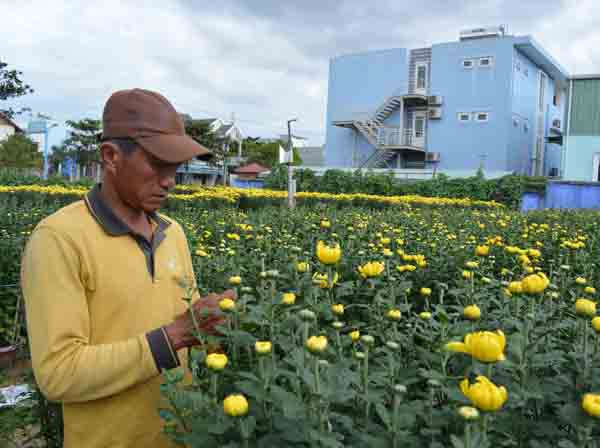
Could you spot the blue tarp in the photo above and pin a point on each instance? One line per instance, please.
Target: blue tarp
(564, 195)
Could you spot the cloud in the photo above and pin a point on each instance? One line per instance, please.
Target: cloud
(266, 61)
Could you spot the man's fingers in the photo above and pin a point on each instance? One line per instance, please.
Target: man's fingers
(229, 294)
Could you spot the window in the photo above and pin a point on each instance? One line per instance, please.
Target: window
(464, 116)
(481, 116)
(487, 61)
(467, 63)
(421, 76)
(419, 126)
(526, 73)
(525, 127)
(515, 122)
(518, 66)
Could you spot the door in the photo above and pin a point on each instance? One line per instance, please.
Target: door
(419, 123)
(421, 78)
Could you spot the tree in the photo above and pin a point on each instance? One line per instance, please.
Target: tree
(18, 151)
(83, 143)
(11, 86)
(267, 154)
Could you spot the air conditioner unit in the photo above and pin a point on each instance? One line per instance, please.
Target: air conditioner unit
(435, 100)
(435, 113)
(432, 157)
(556, 123)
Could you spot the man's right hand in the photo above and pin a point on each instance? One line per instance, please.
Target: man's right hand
(208, 315)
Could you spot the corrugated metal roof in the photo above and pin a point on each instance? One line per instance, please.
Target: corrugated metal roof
(585, 107)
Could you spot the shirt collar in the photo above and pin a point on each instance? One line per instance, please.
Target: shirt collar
(110, 222)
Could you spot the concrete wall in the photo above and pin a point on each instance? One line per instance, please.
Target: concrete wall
(358, 85)
(579, 163)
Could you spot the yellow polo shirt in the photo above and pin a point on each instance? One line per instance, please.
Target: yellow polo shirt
(97, 296)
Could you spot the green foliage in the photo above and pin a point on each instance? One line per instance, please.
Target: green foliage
(267, 154)
(19, 151)
(11, 86)
(83, 143)
(506, 190)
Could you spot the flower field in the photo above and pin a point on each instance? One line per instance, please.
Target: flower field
(403, 324)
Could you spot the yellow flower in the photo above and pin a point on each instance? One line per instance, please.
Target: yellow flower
(263, 347)
(591, 404)
(325, 224)
(328, 254)
(235, 280)
(201, 253)
(425, 315)
(425, 292)
(472, 312)
(467, 274)
(471, 264)
(371, 269)
(226, 305)
(406, 267)
(524, 259)
(596, 323)
(302, 267)
(323, 280)
(394, 314)
(484, 346)
(590, 290)
(535, 283)
(355, 335)
(387, 252)
(216, 361)
(580, 281)
(534, 253)
(235, 405)
(233, 236)
(337, 309)
(316, 344)
(484, 394)
(288, 298)
(515, 287)
(585, 307)
(482, 251)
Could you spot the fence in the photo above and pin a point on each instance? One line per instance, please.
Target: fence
(563, 195)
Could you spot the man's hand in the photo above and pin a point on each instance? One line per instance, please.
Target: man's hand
(208, 315)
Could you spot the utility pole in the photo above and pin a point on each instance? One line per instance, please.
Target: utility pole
(290, 149)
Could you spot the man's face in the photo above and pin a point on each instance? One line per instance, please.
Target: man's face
(143, 181)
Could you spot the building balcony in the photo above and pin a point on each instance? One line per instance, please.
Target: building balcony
(399, 138)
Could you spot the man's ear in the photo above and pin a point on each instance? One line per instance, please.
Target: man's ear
(110, 155)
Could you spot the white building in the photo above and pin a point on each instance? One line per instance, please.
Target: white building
(8, 127)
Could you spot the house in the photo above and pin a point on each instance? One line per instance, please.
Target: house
(488, 100)
(582, 139)
(8, 127)
(226, 133)
(248, 176)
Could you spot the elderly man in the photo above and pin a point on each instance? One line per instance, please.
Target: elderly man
(102, 281)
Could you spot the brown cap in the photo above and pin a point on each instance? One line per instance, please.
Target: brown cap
(149, 119)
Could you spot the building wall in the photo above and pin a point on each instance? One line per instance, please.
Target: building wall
(583, 140)
(471, 90)
(358, 85)
(6, 131)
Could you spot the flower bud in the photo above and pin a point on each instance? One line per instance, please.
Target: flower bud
(355, 335)
(338, 325)
(337, 309)
(216, 361)
(392, 345)
(307, 315)
(288, 298)
(226, 305)
(359, 355)
(468, 412)
(400, 389)
(367, 339)
(263, 347)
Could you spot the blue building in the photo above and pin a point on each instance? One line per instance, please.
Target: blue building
(488, 100)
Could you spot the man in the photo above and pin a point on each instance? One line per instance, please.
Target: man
(102, 281)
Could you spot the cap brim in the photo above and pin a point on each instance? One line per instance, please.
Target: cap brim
(173, 148)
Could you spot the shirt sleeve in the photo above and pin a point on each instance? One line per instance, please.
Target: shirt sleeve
(66, 366)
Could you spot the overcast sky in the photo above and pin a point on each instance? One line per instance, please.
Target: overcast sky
(266, 61)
